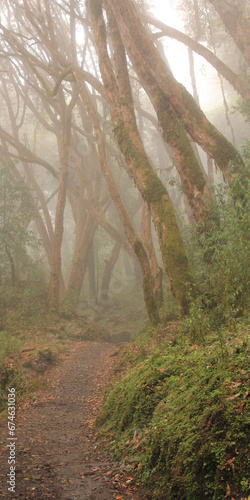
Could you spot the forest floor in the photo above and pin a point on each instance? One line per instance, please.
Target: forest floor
(57, 454)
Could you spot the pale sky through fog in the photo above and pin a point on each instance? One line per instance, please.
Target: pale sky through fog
(177, 54)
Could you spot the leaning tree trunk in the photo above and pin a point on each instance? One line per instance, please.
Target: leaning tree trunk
(115, 196)
(238, 83)
(92, 270)
(79, 264)
(110, 264)
(147, 181)
(142, 51)
(12, 265)
(55, 272)
(236, 24)
(147, 240)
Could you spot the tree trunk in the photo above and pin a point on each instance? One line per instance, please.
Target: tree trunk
(12, 266)
(110, 264)
(236, 24)
(192, 76)
(239, 85)
(183, 153)
(78, 267)
(114, 194)
(147, 241)
(54, 287)
(91, 270)
(142, 50)
(150, 186)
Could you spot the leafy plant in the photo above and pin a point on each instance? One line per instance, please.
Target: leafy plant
(220, 255)
(180, 412)
(10, 347)
(16, 211)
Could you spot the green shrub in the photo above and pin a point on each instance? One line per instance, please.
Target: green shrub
(10, 347)
(220, 253)
(22, 305)
(182, 414)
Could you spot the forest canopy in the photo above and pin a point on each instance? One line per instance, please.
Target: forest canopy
(116, 165)
(124, 215)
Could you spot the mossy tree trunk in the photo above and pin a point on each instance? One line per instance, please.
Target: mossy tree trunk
(182, 151)
(147, 181)
(141, 48)
(133, 239)
(147, 240)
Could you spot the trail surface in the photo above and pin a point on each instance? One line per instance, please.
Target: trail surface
(57, 456)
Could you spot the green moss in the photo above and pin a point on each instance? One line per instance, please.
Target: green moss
(148, 293)
(138, 248)
(174, 133)
(150, 299)
(181, 413)
(154, 189)
(37, 384)
(127, 146)
(155, 193)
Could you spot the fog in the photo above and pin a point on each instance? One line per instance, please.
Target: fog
(65, 96)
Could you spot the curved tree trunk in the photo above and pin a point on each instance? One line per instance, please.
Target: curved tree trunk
(110, 264)
(183, 152)
(114, 194)
(150, 186)
(142, 51)
(239, 85)
(236, 24)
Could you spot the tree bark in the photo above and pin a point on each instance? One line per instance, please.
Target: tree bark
(236, 24)
(114, 194)
(173, 132)
(78, 267)
(237, 83)
(12, 265)
(110, 264)
(138, 42)
(91, 270)
(150, 186)
(147, 240)
(54, 286)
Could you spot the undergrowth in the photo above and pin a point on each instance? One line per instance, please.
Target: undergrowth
(10, 349)
(31, 338)
(181, 412)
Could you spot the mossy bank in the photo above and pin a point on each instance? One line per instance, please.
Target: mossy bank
(180, 413)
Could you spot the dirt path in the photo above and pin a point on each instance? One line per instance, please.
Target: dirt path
(56, 453)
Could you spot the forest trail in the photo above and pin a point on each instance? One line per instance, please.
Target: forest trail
(57, 456)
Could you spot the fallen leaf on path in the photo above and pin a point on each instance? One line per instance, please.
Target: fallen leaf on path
(233, 397)
(236, 384)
